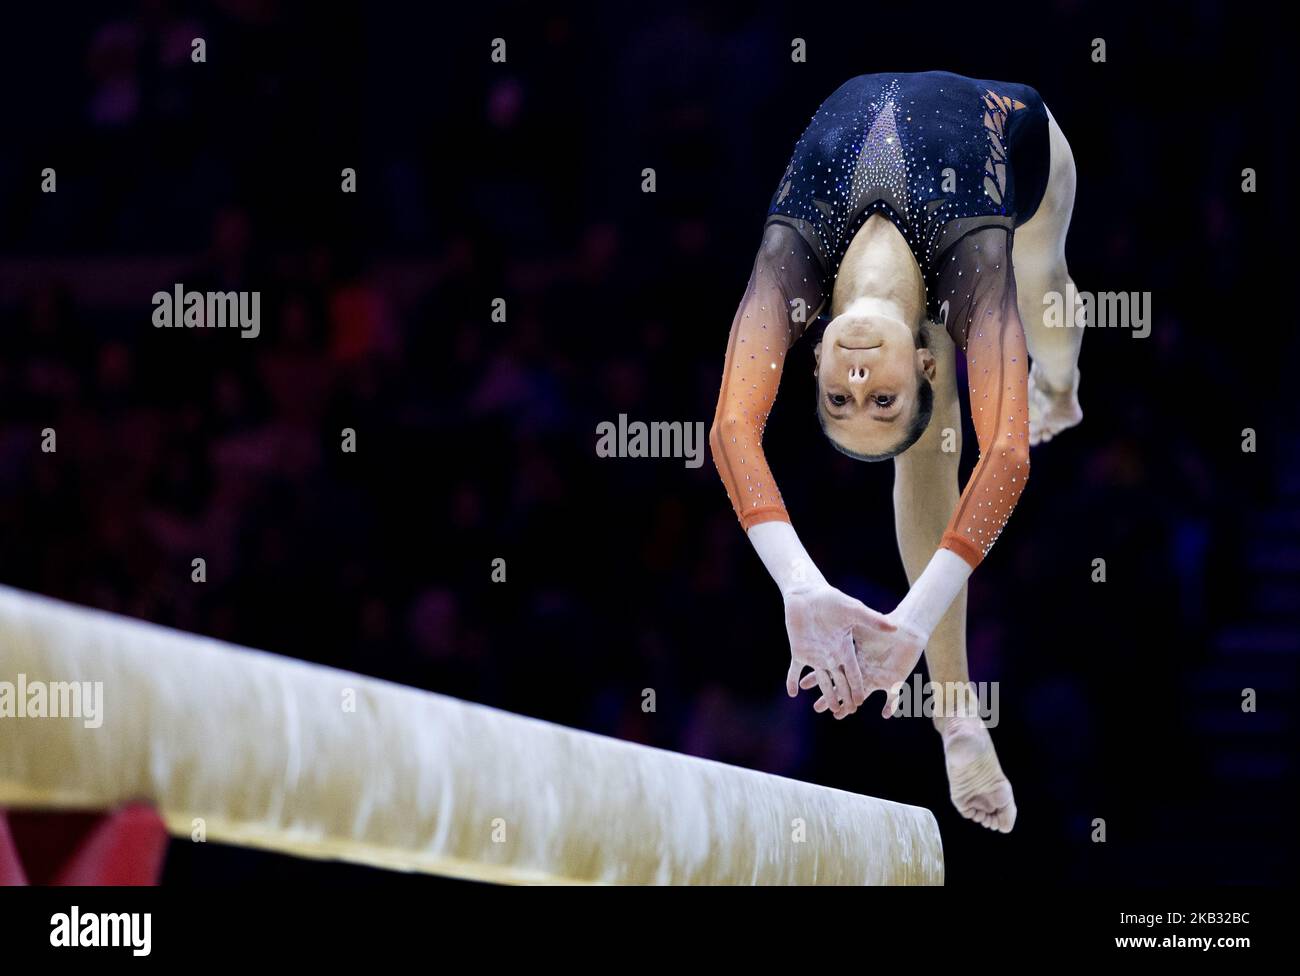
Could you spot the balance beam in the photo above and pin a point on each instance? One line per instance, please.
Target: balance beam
(252, 749)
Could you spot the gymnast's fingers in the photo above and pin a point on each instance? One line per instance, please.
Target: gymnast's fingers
(811, 680)
(848, 662)
(892, 694)
(792, 682)
(828, 691)
(842, 690)
(846, 691)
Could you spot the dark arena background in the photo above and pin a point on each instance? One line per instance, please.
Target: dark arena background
(475, 438)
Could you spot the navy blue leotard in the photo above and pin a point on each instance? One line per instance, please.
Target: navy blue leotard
(938, 154)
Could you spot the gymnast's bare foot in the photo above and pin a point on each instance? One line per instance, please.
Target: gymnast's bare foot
(1053, 407)
(976, 783)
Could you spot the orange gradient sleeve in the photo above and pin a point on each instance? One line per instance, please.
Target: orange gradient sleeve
(979, 288)
(783, 295)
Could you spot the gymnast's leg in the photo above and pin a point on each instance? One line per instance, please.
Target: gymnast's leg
(1038, 254)
(925, 494)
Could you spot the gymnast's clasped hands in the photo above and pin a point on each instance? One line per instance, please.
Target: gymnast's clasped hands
(852, 650)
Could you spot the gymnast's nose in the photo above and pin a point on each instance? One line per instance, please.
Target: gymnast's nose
(857, 375)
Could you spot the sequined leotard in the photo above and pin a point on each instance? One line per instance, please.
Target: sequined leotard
(956, 164)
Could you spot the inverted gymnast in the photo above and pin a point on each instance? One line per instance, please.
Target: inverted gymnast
(921, 214)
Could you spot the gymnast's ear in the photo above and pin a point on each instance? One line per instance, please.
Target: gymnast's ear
(925, 363)
(817, 357)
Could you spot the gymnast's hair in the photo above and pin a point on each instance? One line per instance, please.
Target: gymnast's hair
(920, 417)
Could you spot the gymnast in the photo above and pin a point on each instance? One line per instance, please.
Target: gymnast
(921, 216)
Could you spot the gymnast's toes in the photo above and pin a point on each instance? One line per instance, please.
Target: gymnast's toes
(979, 789)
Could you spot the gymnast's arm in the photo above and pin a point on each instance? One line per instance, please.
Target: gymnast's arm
(985, 314)
(783, 294)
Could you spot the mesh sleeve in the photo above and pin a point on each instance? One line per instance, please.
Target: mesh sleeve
(785, 294)
(977, 295)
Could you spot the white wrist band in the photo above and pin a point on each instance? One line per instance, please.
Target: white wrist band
(933, 592)
(786, 559)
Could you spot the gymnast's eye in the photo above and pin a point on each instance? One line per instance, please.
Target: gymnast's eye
(837, 399)
(883, 399)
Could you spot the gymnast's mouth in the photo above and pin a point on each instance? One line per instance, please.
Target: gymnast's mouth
(860, 348)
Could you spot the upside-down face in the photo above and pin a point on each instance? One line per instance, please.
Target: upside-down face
(872, 385)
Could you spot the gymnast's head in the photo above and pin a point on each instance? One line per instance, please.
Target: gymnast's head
(874, 392)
